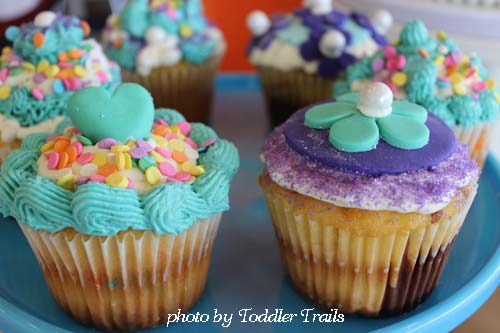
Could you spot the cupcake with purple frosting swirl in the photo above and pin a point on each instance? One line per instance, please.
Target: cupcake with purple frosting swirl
(299, 55)
(367, 196)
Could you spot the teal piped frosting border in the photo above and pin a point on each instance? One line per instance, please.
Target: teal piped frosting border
(97, 209)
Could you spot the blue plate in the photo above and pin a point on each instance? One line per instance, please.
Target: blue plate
(246, 270)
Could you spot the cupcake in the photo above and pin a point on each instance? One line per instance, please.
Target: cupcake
(121, 210)
(367, 197)
(300, 55)
(48, 61)
(436, 74)
(170, 48)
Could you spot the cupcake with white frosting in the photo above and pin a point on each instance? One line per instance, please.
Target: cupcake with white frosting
(299, 55)
(367, 196)
(170, 48)
(49, 59)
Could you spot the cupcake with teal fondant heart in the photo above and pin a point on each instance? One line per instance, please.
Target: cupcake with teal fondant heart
(300, 55)
(436, 74)
(49, 59)
(170, 48)
(121, 208)
(367, 196)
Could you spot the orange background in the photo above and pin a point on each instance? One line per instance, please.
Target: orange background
(231, 15)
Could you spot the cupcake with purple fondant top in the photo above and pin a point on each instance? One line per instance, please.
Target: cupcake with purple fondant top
(49, 59)
(299, 55)
(367, 197)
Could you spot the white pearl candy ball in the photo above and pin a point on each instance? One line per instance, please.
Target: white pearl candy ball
(332, 43)
(258, 22)
(375, 100)
(382, 20)
(319, 7)
(44, 19)
(155, 34)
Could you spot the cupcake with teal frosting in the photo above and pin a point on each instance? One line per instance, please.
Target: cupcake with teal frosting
(122, 207)
(436, 74)
(301, 54)
(48, 60)
(170, 48)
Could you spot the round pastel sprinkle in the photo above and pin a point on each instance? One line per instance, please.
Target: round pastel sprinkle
(163, 152)
(389, 52)
(98, 178)
(153, 175)
(89, 169)
(100, 159)
(107, 143)
(399, 79)
(167, 169)
(131, 184)
(4, 73)
(171, 136)
(40, 78)
(63, 160)
(158, 158)
(67, 181)
(85, 158)
(107, 170)
(117, 179)
(128, 160)
(378, 64)
(184, 127)
(38, 39)
(177, 145)
(84, 140)
(137, 153)
(58, 87)
(47, 146)
(120, 160)
(79, 147)
(122, 148)
(146, 162)
(52, 160)
(183, 176)
(144, 145)
(82, 180)
(197, 170)
(102, 76)
(5, 92)
(11, 33)
(44, 19)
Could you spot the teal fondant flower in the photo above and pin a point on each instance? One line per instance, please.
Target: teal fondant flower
(296, 34)
(358, 120)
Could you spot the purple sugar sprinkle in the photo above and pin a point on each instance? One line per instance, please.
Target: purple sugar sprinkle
(82, 180)
(137, 152)
(107, 143)
(141, 144)
(39, 78)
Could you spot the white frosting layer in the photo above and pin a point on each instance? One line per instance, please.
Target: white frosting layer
(10, 129)
(164, 52)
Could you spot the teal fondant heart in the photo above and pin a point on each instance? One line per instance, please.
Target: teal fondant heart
(127, 114)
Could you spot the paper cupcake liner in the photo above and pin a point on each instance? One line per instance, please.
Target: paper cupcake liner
(129, 281)
(289, 91)
(478, 138)
(7, 147)
(373, 263)
(184, 87)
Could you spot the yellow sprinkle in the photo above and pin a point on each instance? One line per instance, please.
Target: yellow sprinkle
(456, 78)
(395, 42)
(491, 83)
(67, 181)
(120, 148)
(441, 35)
(439, 60)
(48, 146)
(175, 129)
(117, 180)
(120, 160)
(399, 79)
(161, 141)
(197, 170)
(100, 159)
(5, 92)
(465, 60)
(42, 65)
(187, 166)
(153, 175)
(97, 66)
(158, 158)
(177, 144)
(7, 50)
(186, 31)
(80, 71)
(28, 66)
(51, 71)
(459, 89)
(497, 96)
(128, 160)
(131, 144)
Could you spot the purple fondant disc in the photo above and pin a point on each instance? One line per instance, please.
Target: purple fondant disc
(384, 159)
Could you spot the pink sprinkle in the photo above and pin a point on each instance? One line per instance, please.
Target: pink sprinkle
(171, 136)
(472, 72)
(74, 83)
(79, 147)
(85, 158)
(37, 93)
(65, 64)
(52, 160)
(444, 79)
(456, 56)
(475, 96)
(39, 78)
(13, 57)
(389, 52)
(161, 122)
(168, 169)
(74, 130)
(449, 62)
(479, 86)
(131, 184)
(67, 84)
(183, 176)
(97, 178)
(378, 64)
(207, 143)
(102, 76)
(82, 180)
(4, 73)
(163, 152)
(144, 145)
(393, 87)
(191, 143)
(52, 137)
(184, 127)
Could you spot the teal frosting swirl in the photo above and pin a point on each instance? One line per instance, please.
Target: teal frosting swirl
(490, 106)
(196, 50)
(97, 209)
(415, 36)
(422, 76)
(465, 109)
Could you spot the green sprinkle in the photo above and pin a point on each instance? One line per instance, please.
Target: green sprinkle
(146, 162)
(84, 140)
(16, 71)
(87, 47)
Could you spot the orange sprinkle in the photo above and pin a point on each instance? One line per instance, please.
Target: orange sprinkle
(160, 130)
(424, 53)
(60, 146)
(107, 170)
(38, 39)
(179, 156)
(86, 27)
(75, 53)
(72, 153)
(117, 43)
(64, 74)
(63, 137)
(451, 70)
(63, 160)
(63, 57)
